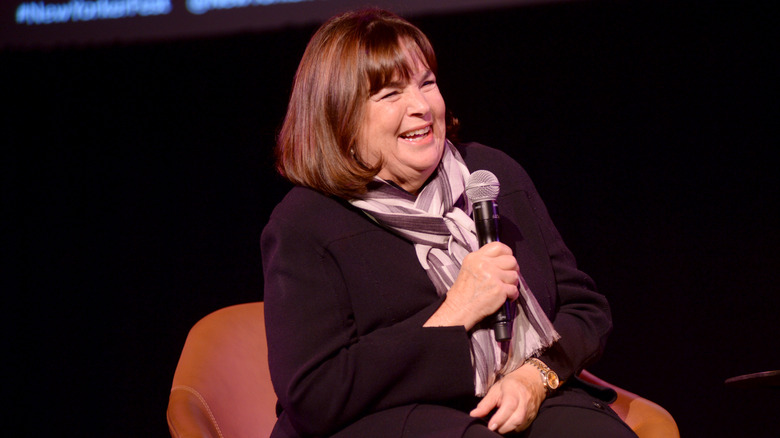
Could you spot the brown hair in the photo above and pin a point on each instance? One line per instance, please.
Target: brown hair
(351, 57)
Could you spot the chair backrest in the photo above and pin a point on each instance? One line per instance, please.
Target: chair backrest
(222, 386)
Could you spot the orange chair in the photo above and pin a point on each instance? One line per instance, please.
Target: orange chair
(645, 418)
(222, 386)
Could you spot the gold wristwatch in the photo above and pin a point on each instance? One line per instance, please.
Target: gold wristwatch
(549, 377)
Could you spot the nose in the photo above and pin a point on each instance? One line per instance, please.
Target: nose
(418, 103)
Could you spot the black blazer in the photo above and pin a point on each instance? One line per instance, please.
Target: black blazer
(346, 301)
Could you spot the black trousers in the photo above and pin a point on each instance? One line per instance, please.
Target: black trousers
(573, 412)
(577, 410)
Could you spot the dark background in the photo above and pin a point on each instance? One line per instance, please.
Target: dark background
(136, 180)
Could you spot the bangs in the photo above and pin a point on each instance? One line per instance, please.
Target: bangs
(391, 59)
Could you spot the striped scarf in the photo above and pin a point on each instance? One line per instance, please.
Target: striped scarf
(438, 222)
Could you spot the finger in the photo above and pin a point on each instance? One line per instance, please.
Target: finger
(516, 422)
(513, 293)
(506, 262)
(486, 404)
(507, 407)
(509, 274)
(495, 249)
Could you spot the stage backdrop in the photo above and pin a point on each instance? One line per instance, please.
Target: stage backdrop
(44, 23)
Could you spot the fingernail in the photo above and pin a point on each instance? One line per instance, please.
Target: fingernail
(493, 426)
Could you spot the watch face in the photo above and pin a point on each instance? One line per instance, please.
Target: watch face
(552, 380)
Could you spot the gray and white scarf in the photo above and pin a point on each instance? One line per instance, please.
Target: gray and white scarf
(439, 224)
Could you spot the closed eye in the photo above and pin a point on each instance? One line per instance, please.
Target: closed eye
(389, 94)
(428, 80)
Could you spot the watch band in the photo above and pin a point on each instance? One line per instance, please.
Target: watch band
(549, 377)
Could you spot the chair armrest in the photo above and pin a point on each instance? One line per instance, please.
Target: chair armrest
(189, 415)
(647, 419)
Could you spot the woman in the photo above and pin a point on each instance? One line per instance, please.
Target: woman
(378, 298)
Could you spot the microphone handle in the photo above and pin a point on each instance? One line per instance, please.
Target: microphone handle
(486, 221)
(501, 323)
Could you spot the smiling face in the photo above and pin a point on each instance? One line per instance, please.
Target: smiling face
(404, 128)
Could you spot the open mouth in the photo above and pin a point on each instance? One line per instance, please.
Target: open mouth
(417, 134)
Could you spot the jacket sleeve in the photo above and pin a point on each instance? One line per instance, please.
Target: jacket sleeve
(327, 374)
(580, 314)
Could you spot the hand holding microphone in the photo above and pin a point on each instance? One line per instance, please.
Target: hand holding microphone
(487, 275)
(482, 190)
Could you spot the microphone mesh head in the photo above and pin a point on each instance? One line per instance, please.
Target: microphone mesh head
(482, 186)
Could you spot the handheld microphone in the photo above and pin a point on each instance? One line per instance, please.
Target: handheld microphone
(482, 190)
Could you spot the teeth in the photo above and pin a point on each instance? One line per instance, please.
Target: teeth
(417, 132)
